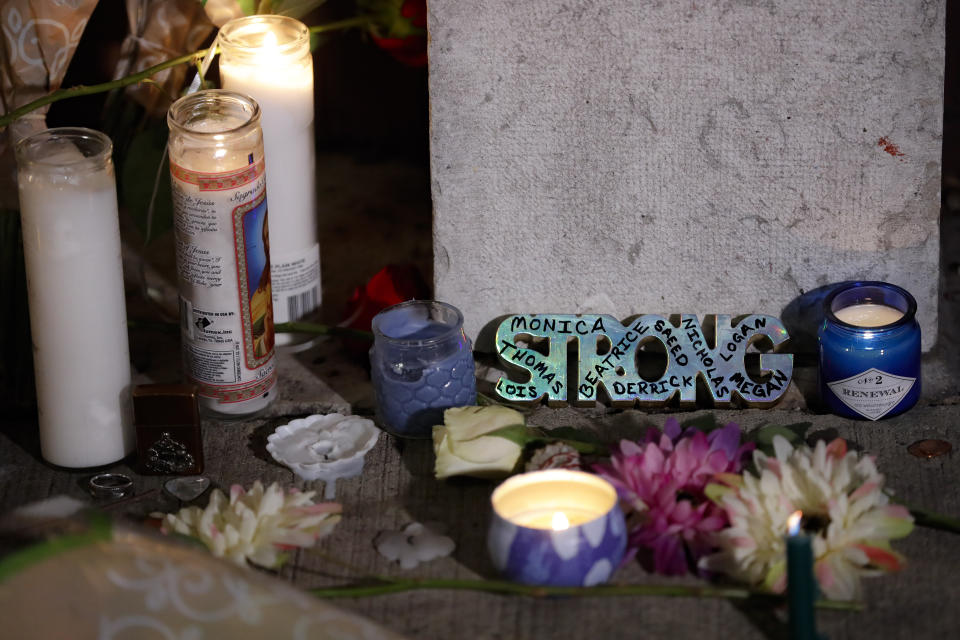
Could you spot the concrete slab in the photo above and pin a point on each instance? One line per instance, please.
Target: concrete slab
(621, 157)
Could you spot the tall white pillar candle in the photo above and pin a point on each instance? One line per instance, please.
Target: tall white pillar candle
(268, 58)
(71, 243)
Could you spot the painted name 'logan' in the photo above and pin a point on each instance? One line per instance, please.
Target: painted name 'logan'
(607, 355)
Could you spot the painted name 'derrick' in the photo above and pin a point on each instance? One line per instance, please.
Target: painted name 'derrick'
(608, 353)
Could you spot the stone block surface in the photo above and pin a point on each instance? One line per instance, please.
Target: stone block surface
(718, 157)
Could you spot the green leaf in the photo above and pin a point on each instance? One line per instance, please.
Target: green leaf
(294, 8)
(138, 176)
(517, 433)
(573, 433)
(794, 433)
(706, 422)
(100, 529)
(715, 492)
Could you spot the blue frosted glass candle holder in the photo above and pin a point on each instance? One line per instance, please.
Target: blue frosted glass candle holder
(558, 528)
(421, 363)
(869, 346)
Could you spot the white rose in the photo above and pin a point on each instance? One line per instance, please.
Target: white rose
(462, 448)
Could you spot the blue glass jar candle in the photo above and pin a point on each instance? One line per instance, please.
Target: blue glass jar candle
(869, 351)
(421, 363)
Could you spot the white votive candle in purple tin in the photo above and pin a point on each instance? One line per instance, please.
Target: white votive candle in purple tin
(556, 527)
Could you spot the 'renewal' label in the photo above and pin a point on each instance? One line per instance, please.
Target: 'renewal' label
(873, 393)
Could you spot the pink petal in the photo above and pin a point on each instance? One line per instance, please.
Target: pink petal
(864, 489)
(837, 448)
(883, 558)
(824, 573)
(669, 558)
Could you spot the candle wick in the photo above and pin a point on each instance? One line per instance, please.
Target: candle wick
(814, 523)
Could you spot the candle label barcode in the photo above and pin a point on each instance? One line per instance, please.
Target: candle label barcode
(296, 284)
(872, 393)
(223, 264)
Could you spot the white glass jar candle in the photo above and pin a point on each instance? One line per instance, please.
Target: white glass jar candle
(223, 250)
(71, 245)
(268, 58)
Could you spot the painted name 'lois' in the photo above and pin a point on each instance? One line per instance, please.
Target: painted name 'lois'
(609, 354)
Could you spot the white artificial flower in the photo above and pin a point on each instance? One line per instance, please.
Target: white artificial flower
(846, 512)
(463, 448)
(255, 525)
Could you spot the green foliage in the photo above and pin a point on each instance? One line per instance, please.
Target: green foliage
(706, 422)
(794, 433)
(581, 440)
(292, 8)
(145, 165)
(389, 21)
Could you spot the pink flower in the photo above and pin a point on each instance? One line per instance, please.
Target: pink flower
(661, 482)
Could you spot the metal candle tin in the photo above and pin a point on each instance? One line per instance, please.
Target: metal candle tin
(869, 372)
(584, 551)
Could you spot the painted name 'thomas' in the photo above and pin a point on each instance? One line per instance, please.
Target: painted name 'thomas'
(607, 355)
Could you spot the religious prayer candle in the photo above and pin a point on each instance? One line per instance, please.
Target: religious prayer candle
(556, 527)
(869, 346)
(801, 584)
(78, 320)
(268, 58)
(223, 250)
(421, 363)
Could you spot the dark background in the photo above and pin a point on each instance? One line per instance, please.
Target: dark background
(366, 102)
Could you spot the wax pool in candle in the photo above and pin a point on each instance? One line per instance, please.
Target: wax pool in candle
(555, 519)
(868, 315)
(269, 59)
(71, 243)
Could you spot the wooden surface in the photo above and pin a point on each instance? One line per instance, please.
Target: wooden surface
(397, 487)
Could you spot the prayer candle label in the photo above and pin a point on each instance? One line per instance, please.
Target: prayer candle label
(872, 393)
(608, 355)
(223, 260)
(296, 284)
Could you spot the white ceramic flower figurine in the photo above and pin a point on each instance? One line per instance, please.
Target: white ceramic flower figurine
(255, 525)
(462, 447)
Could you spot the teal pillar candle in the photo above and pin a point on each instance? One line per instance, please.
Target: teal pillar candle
(801, 584)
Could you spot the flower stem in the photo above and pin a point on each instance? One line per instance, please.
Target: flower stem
(929, 519)
(321, 330)
(282, 327)
(356, 21)
(388, 586)
(134, 78)
(82, 90)
(934, 520)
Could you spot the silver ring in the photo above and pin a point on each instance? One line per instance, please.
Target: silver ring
(110, 485)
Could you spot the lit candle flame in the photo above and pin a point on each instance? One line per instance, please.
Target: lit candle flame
(270, 40)
(793, 523)
(560, 522)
